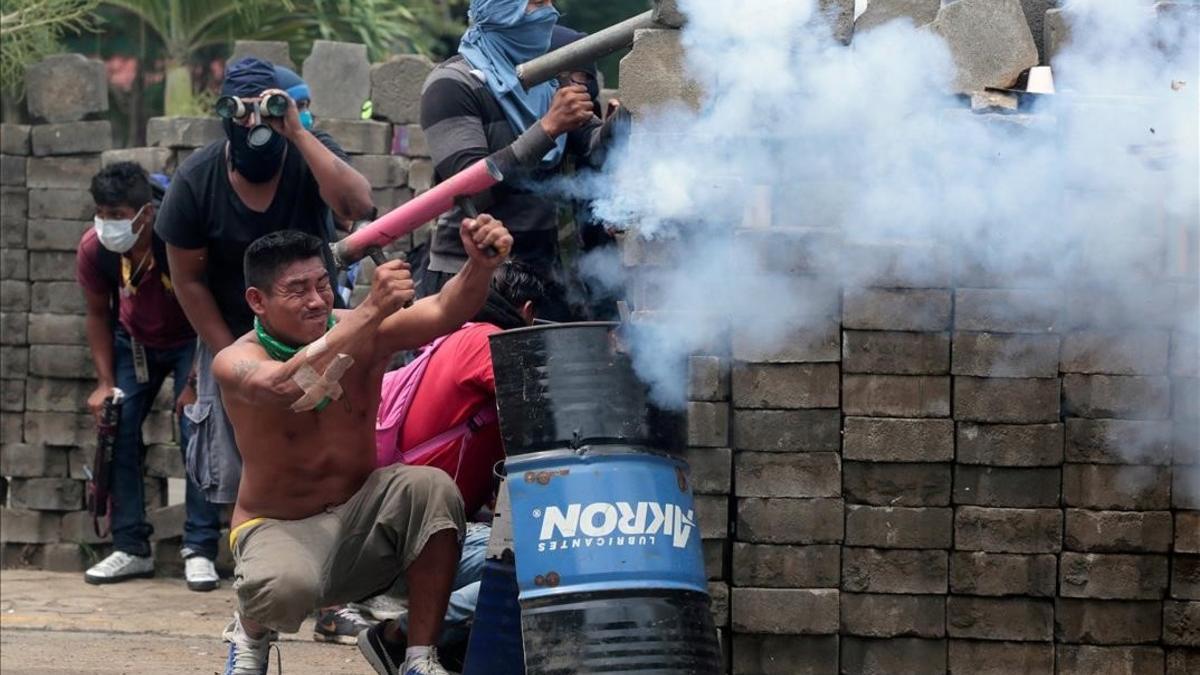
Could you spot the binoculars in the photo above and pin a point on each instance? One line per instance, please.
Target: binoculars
(232, 107)
(271, 105)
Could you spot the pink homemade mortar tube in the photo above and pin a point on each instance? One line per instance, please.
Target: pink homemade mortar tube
(417, 211)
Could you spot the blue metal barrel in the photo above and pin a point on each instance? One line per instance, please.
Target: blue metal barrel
(603, 518)
(609, 569)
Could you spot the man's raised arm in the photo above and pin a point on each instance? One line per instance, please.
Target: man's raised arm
(246, 372)
(342, 187)
(459, 300)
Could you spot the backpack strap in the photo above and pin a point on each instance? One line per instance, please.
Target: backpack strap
(399, 390)
(462, 432)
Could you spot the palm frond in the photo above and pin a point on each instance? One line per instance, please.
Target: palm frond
(31, 30)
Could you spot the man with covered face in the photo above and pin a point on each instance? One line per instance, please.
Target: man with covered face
(270, 173)
(473, 105)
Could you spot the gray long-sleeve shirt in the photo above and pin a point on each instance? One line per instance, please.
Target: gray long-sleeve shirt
(464, 123)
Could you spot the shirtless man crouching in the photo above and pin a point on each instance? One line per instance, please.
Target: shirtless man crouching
(315, 524)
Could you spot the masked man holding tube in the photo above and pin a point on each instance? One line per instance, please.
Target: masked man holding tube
(473, 105)
(270, 173)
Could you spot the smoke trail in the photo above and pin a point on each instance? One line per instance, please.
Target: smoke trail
(842, 148)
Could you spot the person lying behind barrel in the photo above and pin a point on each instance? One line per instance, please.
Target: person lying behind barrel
(440, 411)
(315, 524)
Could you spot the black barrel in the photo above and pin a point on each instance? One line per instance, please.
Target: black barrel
(661, 633)
(572, 384)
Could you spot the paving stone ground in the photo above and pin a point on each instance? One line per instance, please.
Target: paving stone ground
(54, 623)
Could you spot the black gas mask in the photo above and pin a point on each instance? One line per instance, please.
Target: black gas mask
(256, 152)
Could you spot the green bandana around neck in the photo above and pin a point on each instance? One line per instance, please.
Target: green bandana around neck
(281, 351)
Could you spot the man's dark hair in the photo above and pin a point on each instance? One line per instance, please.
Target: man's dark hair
(514, 284)
(518, 283)
(122, 184)
(270, 253)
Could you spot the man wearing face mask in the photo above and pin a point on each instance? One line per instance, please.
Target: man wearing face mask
(473, 105)
(122, 267)
(270, 173)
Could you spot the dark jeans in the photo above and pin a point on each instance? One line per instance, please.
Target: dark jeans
(130, 531)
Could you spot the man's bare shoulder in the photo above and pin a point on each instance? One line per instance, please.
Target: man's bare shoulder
(236, 362)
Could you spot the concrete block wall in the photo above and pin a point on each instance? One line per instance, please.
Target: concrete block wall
(946, 474)
(953, 469)
(48, 437)
(46, 372)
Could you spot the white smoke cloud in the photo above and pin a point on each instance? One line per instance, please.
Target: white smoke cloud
(1096, 188)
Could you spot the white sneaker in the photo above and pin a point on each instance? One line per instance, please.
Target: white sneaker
(247, 656)
(200, 573)
(119, 566)
(424, 665)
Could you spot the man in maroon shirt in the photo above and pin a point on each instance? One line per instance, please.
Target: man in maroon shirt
(122, 267)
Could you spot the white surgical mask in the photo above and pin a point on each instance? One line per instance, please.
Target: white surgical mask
(117, 235)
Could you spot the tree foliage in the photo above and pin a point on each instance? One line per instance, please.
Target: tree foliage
(31, 30)
(186, 27)
(384, 26)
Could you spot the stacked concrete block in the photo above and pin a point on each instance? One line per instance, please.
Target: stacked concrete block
(990, 41)
(48, 434)
(65, 88)
(1009, 444)
(15, 148)
(898, 445)
(656, 75)
(181, 135)
(64, 155)
(711, 461)
(390, 149)
(1115, 569)
(46, 171)
(339, 75)
(786, 558)
(388, 176)
(396, 88)
(1181, 611)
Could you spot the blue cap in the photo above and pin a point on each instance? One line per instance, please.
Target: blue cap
(293, 84)
(249, 77)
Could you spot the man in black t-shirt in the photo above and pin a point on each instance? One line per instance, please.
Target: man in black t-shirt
(223, 197)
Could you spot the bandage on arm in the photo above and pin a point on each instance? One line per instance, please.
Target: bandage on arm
(320, 389)
(309, 379)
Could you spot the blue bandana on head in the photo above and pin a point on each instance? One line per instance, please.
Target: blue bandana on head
(248, 78)
(502, 36)
(297, 88)
(293, 84)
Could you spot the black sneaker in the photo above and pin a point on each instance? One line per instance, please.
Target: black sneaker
(385, 657)
(339, 624)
